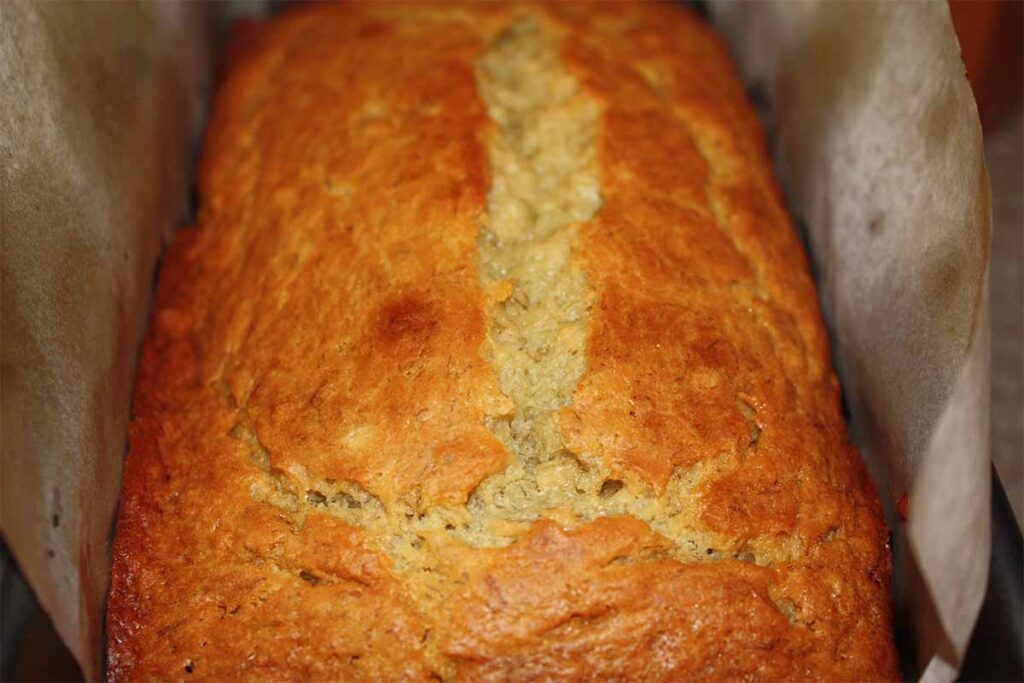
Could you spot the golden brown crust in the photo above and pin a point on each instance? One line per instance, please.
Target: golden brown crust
(326, 322)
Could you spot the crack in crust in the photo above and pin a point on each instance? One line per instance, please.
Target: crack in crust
(544, 184)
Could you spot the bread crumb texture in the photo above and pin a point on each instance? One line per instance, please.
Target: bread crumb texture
(493, 356)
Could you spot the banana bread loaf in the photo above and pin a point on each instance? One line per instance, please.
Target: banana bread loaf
(494, 356)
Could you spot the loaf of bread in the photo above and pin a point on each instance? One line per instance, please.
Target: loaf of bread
(493, 356)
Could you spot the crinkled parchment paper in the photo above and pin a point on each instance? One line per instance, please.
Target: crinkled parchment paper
(99, 102)
(878, 143)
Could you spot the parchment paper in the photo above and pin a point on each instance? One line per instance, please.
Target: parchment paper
(878, 143)
(98, 104)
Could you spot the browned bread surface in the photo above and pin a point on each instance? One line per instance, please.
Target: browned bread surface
(494, 355)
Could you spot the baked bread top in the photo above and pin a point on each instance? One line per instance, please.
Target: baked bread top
(494, 355)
